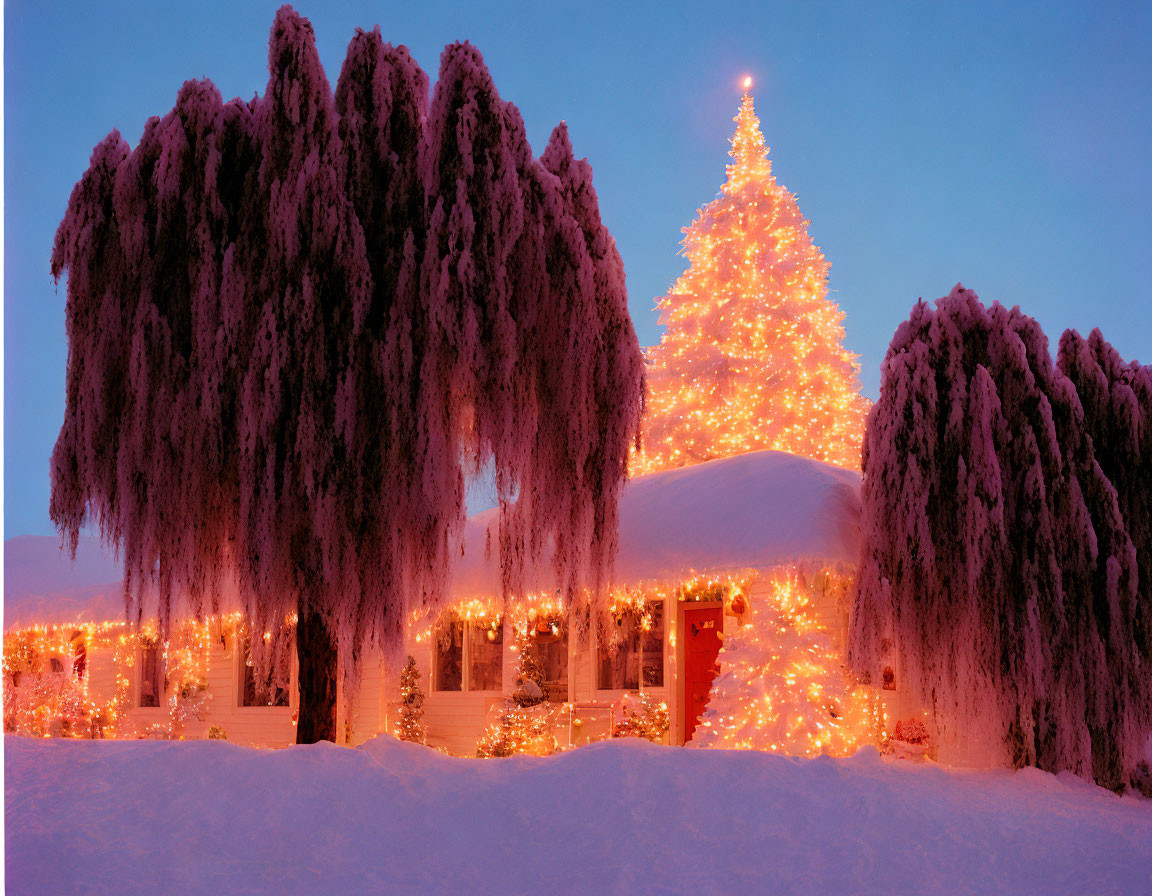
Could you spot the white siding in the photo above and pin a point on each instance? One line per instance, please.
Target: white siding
(455, 720)
(263, 726)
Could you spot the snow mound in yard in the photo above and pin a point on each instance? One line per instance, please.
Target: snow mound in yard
(618, 817)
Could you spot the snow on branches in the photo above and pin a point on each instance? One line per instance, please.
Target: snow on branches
(998, 572)
(296, 324)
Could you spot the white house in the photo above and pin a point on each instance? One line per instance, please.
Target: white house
(689, 539)
(697, 546)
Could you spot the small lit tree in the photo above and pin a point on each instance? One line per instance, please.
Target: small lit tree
(531, 682)
(524, 723)
(410, 725)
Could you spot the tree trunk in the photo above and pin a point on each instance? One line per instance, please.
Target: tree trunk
(316, 655)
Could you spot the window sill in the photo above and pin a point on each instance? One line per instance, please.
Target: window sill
(659, 689)
(264, 709)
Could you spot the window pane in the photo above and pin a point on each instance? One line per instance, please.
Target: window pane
(485, 657)
(637, 650)
(272, 691)
(548, 643)
(448, 663)
(652, 646)
(80, 660)
(618, 665)
(150, 688)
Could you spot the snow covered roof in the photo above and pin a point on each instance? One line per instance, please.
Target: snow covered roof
(753, 511)
(43, 585)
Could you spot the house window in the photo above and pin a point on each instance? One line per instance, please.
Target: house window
(151, 673)
(448, 660)
(79, 658)
(475, 648)
(547, 643)
(633, 655)
(270, 690)
(485, 656)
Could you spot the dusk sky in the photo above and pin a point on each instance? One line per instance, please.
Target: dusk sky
(1002, 146)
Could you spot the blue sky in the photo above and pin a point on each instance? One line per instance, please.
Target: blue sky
(1002, 145)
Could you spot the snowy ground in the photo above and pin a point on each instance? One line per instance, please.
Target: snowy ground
(621, 817)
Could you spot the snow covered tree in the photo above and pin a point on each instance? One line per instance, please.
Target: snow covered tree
(382, 100)
(297, 323)
(783, 687)
(1117, 402)
(753, 356)
(997, 576)
(306, 294)
(599, 390)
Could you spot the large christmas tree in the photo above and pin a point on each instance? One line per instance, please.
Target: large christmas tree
(753, 356)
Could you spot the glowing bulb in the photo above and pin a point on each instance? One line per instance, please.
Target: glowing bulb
(747, 82)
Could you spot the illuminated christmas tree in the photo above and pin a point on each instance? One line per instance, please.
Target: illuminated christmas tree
(410, 726)
(643, 716)
(782, 686)
(753, 356)
(525, 722)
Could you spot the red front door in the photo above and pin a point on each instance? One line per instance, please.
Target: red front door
(702, 628)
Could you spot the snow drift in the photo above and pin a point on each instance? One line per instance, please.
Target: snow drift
(618, 817)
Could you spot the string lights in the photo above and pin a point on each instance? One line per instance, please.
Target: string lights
(643, 716)
(753, 354)
(48, 688)
(783, 687)
(525, 723)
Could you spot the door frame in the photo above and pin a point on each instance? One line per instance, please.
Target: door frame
(681, 699)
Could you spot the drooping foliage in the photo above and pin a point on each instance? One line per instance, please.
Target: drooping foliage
(1117, 402)
(297, 487)
(475, 216)
(601, 357)
(297, 324)
(998, 576)
(149, 244)
(382, 99)
(85, 461)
